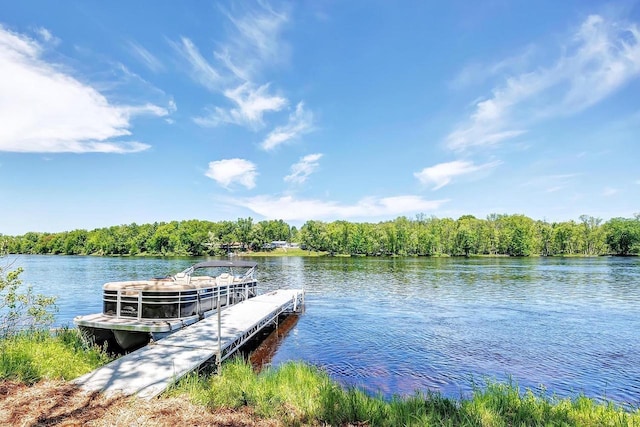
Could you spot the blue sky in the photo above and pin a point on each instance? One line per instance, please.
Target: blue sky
(119, 112)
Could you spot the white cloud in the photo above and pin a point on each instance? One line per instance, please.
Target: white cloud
(290, 209)
(442, 173)
(47, 110)
(306, 166)
(146, 57)
(150, 109)
(609, 191)
(201, 70)
(226, 172)
(252, 103)
(601, 57)
(172, 106)
(46, 36)
(300, 123)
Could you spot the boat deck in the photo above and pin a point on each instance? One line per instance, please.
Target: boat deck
(99, 320)
(148, 371)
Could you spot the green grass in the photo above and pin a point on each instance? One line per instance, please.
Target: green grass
(289, 393)
(31, 356)
(298, 394)
(279, 252)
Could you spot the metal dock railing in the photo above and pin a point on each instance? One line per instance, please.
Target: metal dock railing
(148, 371)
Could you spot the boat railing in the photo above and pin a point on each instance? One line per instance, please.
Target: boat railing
(231, 265)
(174, 304)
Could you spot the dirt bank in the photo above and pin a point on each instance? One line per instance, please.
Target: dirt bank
(58, 403)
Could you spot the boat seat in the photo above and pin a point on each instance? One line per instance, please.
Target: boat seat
(224, 279)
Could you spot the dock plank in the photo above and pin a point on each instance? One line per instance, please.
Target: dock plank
(148, 371)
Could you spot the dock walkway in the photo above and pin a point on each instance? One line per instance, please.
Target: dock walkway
(148, 371)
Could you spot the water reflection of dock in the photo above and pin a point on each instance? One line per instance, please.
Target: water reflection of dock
(148, 371)
(266, 348)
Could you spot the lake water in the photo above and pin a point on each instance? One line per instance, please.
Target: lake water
(397, 325)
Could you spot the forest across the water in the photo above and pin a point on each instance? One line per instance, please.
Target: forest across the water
(508, 235)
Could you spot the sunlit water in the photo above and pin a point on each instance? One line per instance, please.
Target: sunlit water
(400, 325)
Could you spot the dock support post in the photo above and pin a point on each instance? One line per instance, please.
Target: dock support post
(219, 358)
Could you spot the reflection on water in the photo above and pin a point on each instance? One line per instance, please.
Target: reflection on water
(263, 347)
(399, 324)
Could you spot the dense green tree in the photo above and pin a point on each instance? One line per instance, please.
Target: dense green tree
(623, 235)
(545, 233)
(313, 235)
(466, 240)
(75, 242)
(566, 238)
(592, 235)
(162, 241)
(426, 239)
(294, 234)
(516, 235)
(243, 231)
(276, 230)
(226, 234)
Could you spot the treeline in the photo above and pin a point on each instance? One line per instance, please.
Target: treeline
(512, 235)
(189, 238)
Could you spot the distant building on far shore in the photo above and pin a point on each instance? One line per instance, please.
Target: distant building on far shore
(282, 244)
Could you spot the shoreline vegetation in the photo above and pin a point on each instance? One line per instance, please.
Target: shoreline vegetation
(497, 235)
(35, 368)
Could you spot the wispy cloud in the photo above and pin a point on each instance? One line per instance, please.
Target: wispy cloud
(301, 170)
(52, 111)
(291, 209)
(600, 58)
(442, 173)
(553, 182)
(46, 36)
(146, 57)
(610, 191)
(229, 171)
(554, 189)
(476, 72)
(253, 44)
(201, 70)
(300, 123)
(252, 103)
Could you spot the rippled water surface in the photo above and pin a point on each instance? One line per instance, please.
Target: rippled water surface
(398, 325)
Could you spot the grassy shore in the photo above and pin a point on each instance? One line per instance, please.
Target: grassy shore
(280, 252)
(298, 394)
(32, 365)
(31, 357)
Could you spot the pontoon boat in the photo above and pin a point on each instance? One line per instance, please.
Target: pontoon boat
(134, 312)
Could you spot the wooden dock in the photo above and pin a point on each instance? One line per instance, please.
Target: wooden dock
(148, 371)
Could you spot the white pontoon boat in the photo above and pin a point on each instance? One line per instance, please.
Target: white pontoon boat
(134, 312)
